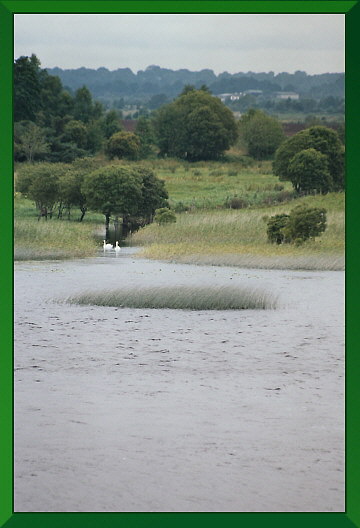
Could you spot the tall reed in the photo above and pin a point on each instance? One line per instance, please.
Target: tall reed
(180, 298)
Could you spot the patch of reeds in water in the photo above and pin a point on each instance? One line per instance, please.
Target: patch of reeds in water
(180, 298)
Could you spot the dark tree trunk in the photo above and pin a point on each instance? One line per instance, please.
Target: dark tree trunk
(83, 211)
(107, 223)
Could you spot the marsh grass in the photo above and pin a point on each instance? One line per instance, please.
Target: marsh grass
(53, 239)
(238, 238)
(180, 298)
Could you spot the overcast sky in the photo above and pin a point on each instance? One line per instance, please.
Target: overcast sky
(232, 43)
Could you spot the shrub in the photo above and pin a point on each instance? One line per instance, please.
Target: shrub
(302, 224)
(164, 215)
(236, 203)
(275, 226)
(305, 223)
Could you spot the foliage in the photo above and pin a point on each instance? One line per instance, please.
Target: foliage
(275, 226)
(111, 123)
(301, 224)
(164, 215)
(305, 223)
(196, 126)
(154, 194)
(326, 142)
(123, 145)
(308, 172)
(113, 190)
(262, 133)
(146, 135)
(27, 98)
(50, 123)
(29, 141)
(40, 183)
(70, 191)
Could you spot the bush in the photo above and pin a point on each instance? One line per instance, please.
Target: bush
(302, 224)
(275, 227)
(123, 145)
(305, 223)
(164, 215)
(236, 203)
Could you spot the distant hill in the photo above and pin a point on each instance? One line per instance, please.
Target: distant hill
(113, 85)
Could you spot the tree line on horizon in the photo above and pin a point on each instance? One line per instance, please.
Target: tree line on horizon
(55, 126)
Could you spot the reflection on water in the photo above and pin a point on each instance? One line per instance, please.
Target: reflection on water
(161, 410)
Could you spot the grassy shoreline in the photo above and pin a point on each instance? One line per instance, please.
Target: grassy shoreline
(238, 238)
(205, 232)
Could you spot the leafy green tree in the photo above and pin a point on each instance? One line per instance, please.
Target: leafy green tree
(29, 140)
(154, 194)
(70, 191)
(308, 172)
(84, 108)
(262, 133)
(146, 135)
(76, 132)
(320, 138)
(111, 123)
(113, 190)
(27, 100)
(123, 145)
(196, 126)
(40, 183)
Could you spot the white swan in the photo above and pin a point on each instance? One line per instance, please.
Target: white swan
(117, 247)
(107, 247)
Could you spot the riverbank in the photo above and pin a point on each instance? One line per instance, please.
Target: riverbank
(238, 238)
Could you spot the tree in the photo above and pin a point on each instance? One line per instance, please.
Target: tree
(113, 190)
(70, 191)
(123, 145)
(308, 172)
(27, 99)
(84, 108)
(40, 183)
(196, 126)
(111, 123)
(76, 132)
(320, 138)
(29, 141)
(262, 133)
(146, 135)
(154, 194)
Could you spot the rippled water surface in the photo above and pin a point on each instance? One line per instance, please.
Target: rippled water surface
(168, 410)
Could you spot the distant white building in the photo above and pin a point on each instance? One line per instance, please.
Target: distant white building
(238, 95)
(287, 95)
(231, 96)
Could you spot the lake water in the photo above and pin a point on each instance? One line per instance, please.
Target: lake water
(168, 410)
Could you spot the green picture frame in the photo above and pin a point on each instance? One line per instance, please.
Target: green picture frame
(351, 517)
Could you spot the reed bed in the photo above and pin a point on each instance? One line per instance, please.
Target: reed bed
(180, 298)
(53, 239)
(238, 238)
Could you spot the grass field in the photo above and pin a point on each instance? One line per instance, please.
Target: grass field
(206, 230)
